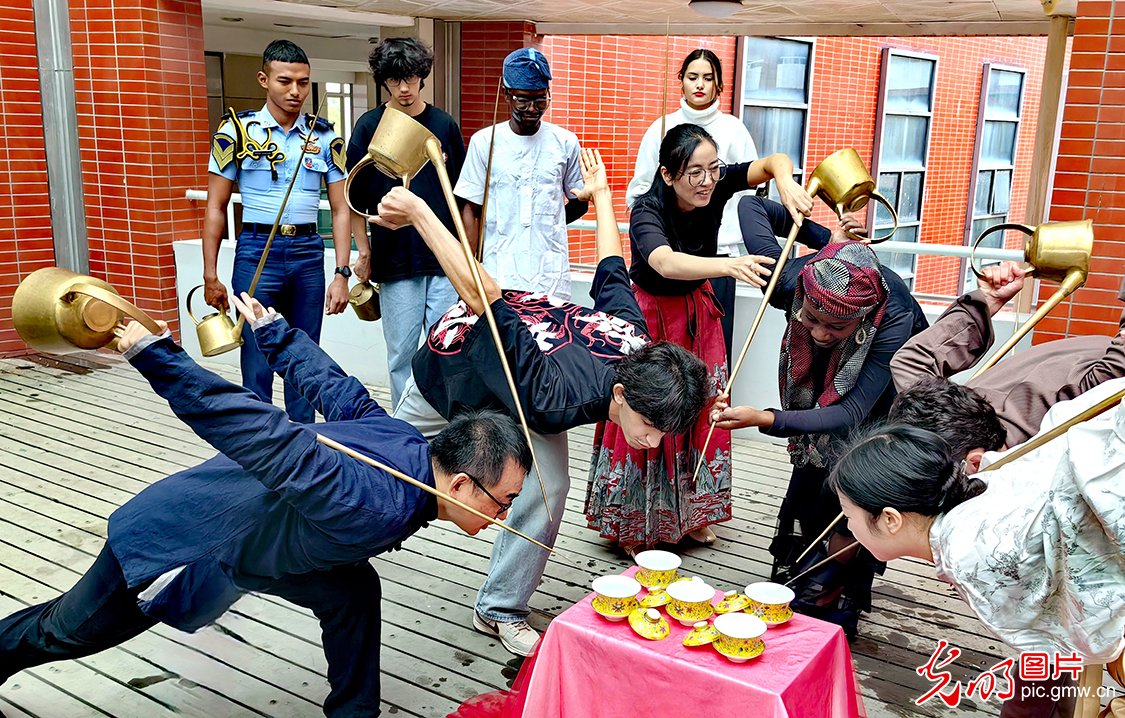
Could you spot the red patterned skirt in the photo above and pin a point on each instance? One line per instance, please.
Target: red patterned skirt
(638, 497)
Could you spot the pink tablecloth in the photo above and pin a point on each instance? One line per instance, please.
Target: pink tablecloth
(587, 666)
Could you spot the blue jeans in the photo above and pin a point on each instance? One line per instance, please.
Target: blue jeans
(517, 565)
(292, 283)
(410, 307)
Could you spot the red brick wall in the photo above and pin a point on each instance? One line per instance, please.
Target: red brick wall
(140, 84)
(607, 91)
(844, 105)
(1090, 179)
(25, 214)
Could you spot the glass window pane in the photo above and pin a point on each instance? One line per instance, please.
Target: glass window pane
(904, 141)
(1001, 197)
(994, 240)
(901, 263)
(888, 187)
(333, 88)
(910, 201)
(776, 70)
(777, 129)
(908, 84)
(334, 111)
(1004, 94)
(984, 191)
(998, 146)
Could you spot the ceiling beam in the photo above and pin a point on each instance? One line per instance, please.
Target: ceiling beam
(798, 29)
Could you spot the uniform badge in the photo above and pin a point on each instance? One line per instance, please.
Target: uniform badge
(311, 147)
(222, 149)
(339, 156)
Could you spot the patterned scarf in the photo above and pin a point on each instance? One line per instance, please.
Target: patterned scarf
(843, 281)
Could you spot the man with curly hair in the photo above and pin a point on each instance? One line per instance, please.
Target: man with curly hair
(413, 289)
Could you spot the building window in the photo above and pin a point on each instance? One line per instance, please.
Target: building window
(776, 81)
(339, 108)
(902, 141)
(994, 156)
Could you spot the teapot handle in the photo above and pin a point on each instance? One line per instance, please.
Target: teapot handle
(994, 228)
(117, 302)
(894, 216)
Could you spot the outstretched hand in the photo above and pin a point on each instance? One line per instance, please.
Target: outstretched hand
(848, 223)
(250, 309)
(397, 209)
(594, 177)
(133, 332)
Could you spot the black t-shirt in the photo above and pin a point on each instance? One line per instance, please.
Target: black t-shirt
(559, 353)
(402, 253)
(695, 233)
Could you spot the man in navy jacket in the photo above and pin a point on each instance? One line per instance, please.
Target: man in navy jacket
(274, 512)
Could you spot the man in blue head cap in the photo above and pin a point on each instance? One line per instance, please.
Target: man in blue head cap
(535, 168)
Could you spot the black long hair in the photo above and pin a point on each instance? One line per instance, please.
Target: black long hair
(676, 150)
(705, 54)
(905, 468)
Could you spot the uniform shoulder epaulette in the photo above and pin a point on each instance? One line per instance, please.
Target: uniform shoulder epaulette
(241, 114)
(321, 123)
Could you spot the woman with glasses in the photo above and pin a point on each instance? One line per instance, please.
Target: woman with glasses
(641, 495)
(701, 84)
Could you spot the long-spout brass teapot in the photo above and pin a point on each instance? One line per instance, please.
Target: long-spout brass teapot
(842, 180)
(59, 312)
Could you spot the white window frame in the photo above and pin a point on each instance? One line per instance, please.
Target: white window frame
(799, 169)
(982, 117)
(877, 166)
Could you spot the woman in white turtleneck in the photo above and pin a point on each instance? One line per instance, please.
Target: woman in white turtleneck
(701, 82)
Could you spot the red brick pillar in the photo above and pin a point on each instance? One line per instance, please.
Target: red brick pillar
(1090, 178)
(25, 212)
(140, 84)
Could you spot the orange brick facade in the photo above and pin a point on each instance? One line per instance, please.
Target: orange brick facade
(1090, 178)
(25, 213)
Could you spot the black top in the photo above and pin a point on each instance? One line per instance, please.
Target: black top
(695, 233)
(402, 253)
(762, 221)
(559, 353)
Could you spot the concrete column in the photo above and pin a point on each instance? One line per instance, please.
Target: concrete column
(60, 135)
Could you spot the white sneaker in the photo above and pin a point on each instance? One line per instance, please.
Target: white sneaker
(516, 636)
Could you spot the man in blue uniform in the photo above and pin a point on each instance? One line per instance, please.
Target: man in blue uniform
(261, 151)
(275, 512)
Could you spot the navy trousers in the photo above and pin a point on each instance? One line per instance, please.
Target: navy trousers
(292, 282)
(100, 612)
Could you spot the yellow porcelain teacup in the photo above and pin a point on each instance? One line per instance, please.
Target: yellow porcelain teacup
(770, 602)
(691, 601)
(657, 569)
(616, 597)
(740, 636)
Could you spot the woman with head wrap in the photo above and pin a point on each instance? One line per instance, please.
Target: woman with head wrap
(701, 87)
(847, 317)
(639, 495)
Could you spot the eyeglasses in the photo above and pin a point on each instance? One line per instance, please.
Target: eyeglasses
(501, 506)
(698, 175)
(523, 104)
(403, 81)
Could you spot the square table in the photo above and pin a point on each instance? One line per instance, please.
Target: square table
(587, 666)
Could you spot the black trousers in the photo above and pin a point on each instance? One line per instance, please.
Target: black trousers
(101, 612)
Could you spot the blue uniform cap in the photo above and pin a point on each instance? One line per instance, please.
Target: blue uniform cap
(527, 69)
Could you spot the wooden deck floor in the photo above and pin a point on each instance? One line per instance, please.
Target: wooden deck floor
(78, 438)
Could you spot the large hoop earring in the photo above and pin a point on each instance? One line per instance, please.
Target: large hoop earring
(861, 336)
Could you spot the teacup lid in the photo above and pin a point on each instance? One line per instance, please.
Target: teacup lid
(649, 624)
(658, 560)
(691, 591)
(730, 594)
(771, 594)
(652, 615)
(740, 625)
(616, 586)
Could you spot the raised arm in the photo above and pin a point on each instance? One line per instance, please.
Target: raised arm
(401, 207)
(595, 189)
